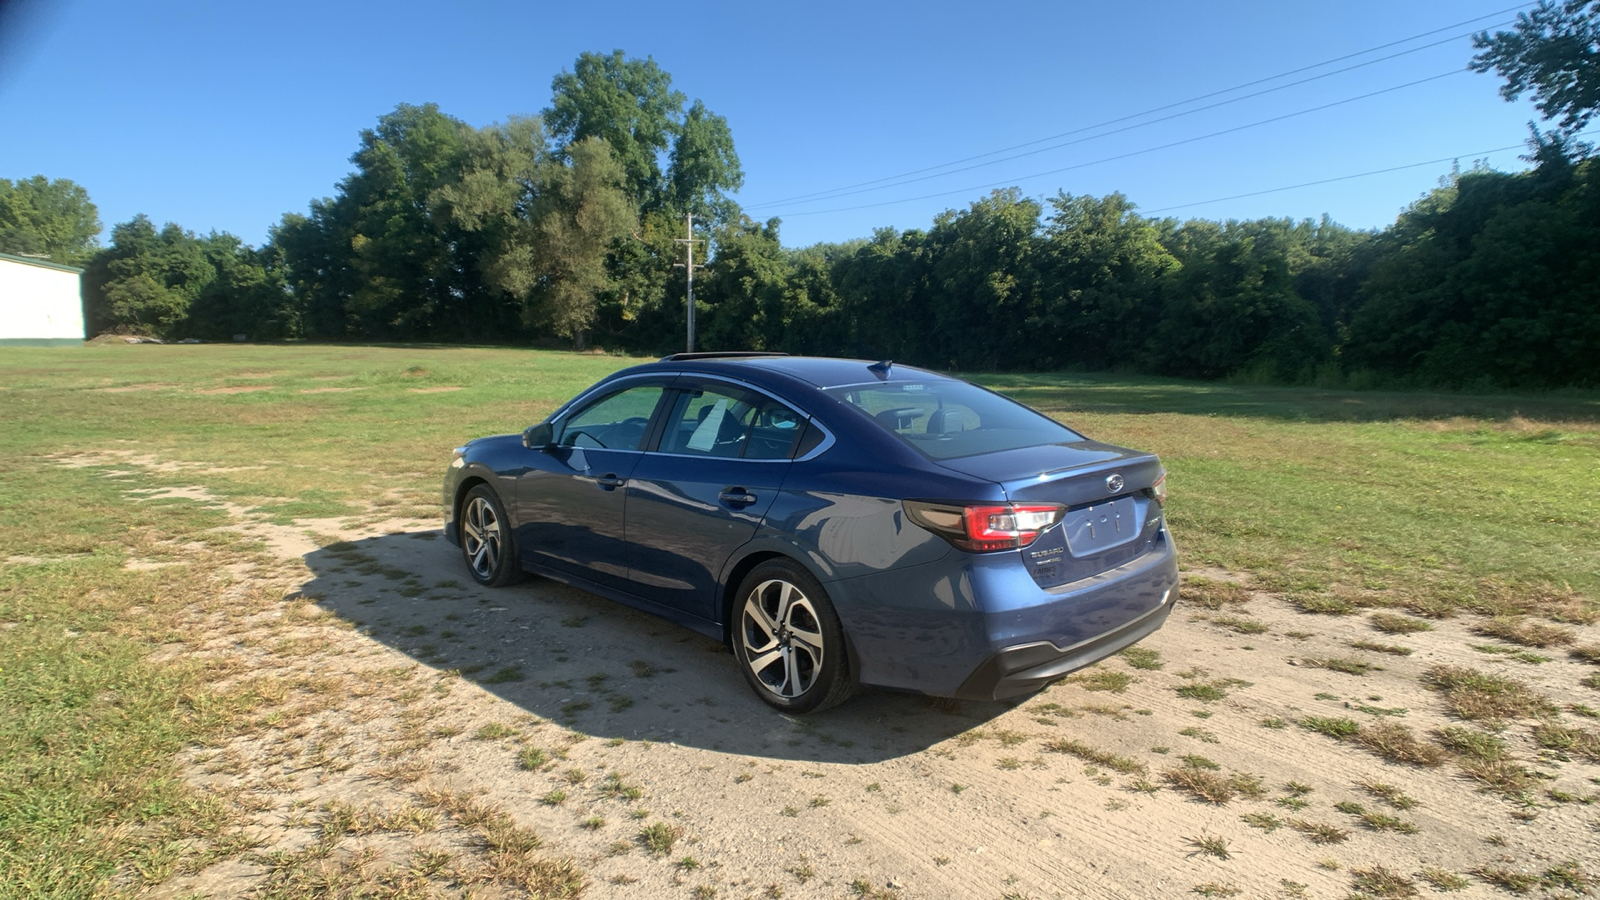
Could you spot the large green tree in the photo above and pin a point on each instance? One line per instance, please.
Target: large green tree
(378, 260)
(628, 103)
(1492, 279)
(1553, 52)
(982, 281)
(743, 300)
(632, 106)
(1230, 306)
(52, 218)
(1099, 266)
(581, 212)
(172, 283)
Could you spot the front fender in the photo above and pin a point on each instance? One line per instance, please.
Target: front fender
(458, 481)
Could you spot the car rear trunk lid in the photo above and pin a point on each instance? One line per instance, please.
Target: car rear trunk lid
(1110, 519)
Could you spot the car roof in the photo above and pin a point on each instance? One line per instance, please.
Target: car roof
(818, 371)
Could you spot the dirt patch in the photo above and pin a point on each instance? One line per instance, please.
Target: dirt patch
(331, 390)
(130, 388)
(1248, 747)
(238, 389)
(433, 390)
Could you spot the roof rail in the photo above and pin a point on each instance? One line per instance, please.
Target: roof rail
(718, 354)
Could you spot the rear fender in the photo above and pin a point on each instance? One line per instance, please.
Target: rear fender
(773, 545)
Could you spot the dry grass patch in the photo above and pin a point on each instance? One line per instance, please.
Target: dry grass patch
(1338, 728)
(1144, 658)
(1212, 786)
(1396, 743)
(1116, 763)
(1389, 740)
(659, 837)
(1241, 624)
(1518, 630)
(1444, 879)
(1375, 647)
(1589, 653)
(1376, 820)
(1564, 739)
(1487, 760)
(1213, 595)
(1556, 603)
(1210, 691)
(1378, 882)
(1393, 623)
(1474, 695)
(1568, 877)
(1319, 832)
(1102, 680)
(1323, 605)
(1388, 793)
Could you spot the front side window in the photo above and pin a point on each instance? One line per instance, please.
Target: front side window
(615, 422)
(947, 419)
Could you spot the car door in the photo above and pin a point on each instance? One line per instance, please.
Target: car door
(720, 460)
(571, 505)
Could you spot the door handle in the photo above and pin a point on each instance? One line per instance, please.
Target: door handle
(609, 482)
(737, 496)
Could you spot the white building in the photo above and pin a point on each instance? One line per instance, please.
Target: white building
(40, 302)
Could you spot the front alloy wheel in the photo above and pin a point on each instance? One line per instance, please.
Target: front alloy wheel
(486, 540)
(788, 640)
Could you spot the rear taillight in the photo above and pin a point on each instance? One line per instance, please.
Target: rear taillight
(1158, 491)
(986, 527)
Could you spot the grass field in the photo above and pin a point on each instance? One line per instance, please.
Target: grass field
(1338, 502)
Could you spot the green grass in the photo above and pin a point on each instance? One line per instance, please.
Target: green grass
(1339, 500)
(1311, 490)
(1316, 490)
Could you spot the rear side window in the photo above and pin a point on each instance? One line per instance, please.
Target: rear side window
(730, 423)
(947, 419)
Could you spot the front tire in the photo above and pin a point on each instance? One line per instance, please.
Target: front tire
(788, 641)
(487, 544)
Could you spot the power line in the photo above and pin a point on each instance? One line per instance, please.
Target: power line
(1121, 156)
(1196, 99)
(1431, 162)
(843, 192)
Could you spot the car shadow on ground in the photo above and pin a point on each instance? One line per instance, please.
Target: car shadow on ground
(599, 667)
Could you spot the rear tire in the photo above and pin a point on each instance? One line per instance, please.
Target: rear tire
(487, 543)
(788, 640)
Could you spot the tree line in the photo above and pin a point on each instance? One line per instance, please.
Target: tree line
(563, 226)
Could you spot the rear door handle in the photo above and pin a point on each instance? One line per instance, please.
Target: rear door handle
(737, 496)
(610, 482)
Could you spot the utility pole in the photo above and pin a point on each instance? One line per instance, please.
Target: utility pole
(689, 266)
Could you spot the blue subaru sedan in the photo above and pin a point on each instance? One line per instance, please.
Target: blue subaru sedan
(838, 523)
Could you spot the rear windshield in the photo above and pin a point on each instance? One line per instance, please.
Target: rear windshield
(946, 419)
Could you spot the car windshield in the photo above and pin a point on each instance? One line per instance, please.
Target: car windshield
(947, 419)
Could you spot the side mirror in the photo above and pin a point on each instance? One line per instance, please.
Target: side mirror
(539, 437)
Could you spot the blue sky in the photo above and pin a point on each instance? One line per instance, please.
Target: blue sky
(224, 116)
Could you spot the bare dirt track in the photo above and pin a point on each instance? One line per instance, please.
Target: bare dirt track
(407, 705)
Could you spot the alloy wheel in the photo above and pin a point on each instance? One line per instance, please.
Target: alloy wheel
(783, 643)
(481, 537)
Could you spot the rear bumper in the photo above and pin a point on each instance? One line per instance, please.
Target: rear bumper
(977, 626)
(1027, 668)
